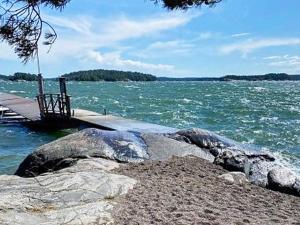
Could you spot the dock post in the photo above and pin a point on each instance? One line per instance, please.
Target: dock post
(62, 86)
(65, 97)
(41, 94)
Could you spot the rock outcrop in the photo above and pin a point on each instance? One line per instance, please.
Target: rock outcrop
(115, 145)
(205, 139)
(82, 194)
(120, 146)
(283, 180)
(233, 162)
(260, 168)
(256, 166)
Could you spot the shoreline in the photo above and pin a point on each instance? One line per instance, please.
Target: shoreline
(102, 177)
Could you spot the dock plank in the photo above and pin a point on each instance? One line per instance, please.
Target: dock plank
(22, 106)
(119, 123)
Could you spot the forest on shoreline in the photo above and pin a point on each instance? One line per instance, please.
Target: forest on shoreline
(115, 75)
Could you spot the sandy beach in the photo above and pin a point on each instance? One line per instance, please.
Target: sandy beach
(188, 191)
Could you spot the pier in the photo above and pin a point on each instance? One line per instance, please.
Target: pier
(17, 109)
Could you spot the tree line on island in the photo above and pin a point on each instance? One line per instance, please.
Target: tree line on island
(115, 75)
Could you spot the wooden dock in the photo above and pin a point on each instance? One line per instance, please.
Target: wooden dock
(28, 110)
(24, 107)
(110, 122)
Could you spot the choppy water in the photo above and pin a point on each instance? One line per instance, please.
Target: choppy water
(265, 115)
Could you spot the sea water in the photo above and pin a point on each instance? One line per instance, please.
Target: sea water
(263, 115)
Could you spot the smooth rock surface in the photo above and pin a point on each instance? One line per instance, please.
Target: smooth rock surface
(163, 148)
(79, 195)
(116, 145)
(238, 178)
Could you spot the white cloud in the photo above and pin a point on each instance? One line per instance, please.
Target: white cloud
(250, 45)
(168, 45)
(240, 35)
(285, 63)
(114, 59)
(125, 28)
(83, 37)
(79, 24)
(102, 32)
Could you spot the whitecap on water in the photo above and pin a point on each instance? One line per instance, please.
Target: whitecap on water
(186, 100)
(295, 109)
(17, 91)
(259, 89)
(245, 100)
(156, 113)
(258, 132)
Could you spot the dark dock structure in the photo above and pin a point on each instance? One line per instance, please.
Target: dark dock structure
(53, 111)
(23, 110)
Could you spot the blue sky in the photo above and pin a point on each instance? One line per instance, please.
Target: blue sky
(234, 37)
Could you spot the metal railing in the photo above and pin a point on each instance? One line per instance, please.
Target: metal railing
(54, 106)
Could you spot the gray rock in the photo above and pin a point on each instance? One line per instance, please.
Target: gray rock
(281, 179)
(79, 195)
(64, 152)
(238, 178)
(259, 170)
(204, 139)
(255, 165)
(233, 162)
(296, 186)
(116, 145)
(163, 148)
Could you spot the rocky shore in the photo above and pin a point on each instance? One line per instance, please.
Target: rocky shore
(90, 177)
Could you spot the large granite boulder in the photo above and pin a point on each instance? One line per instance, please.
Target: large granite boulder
(120, 146)
(82, 194)
(64, 152)
(283, 180)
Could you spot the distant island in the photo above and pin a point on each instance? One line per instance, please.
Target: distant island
(266, 77)
(269, 76)
(19, 77)
(114, 75)
(108, 75)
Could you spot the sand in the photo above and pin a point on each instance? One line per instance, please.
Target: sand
(188, 191)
